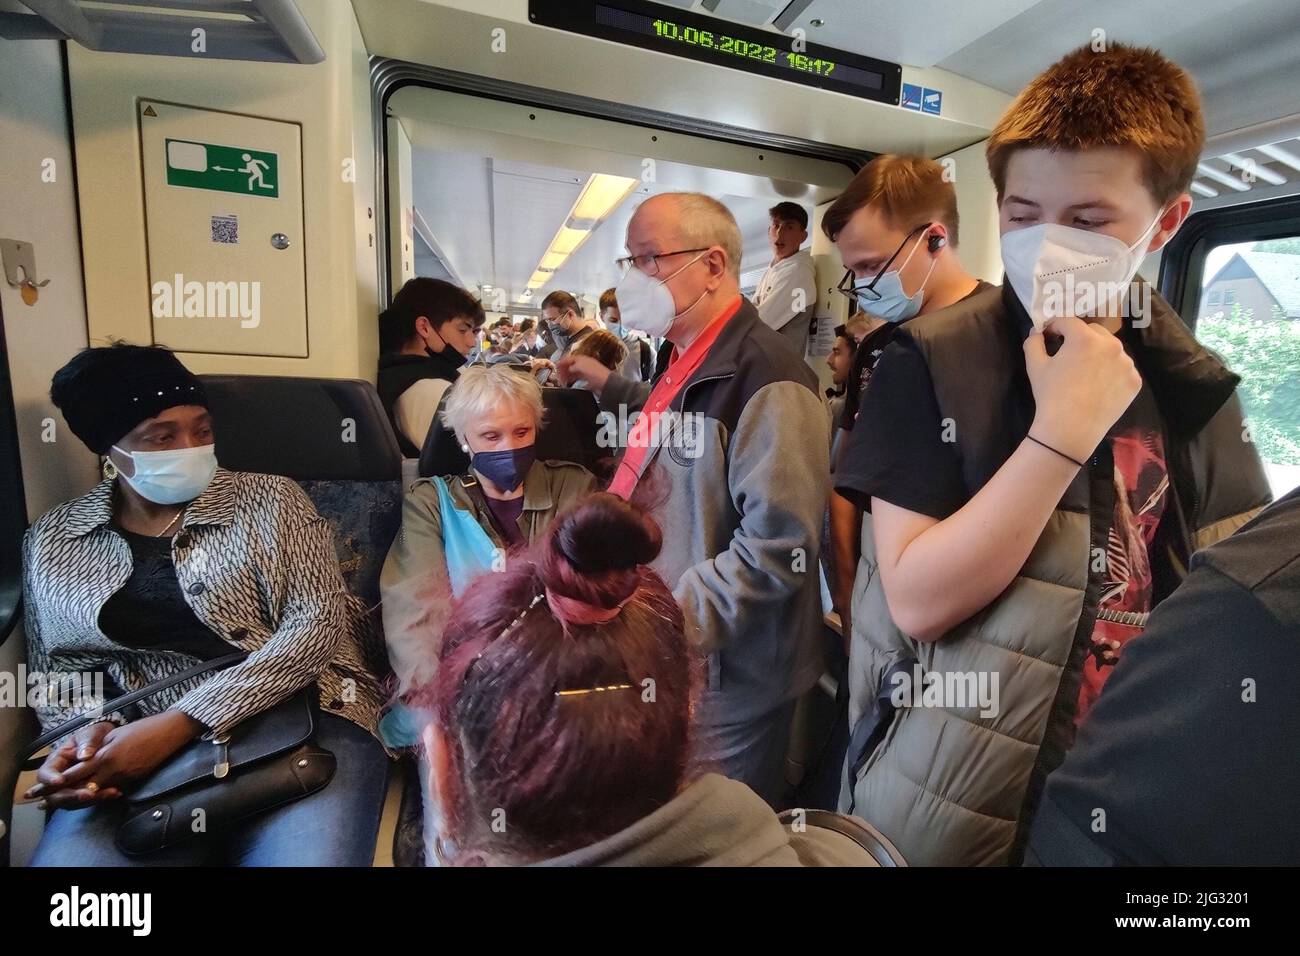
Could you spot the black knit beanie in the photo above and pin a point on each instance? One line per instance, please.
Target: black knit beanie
(104, 393)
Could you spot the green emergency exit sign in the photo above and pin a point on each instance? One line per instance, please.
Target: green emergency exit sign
(227, 169)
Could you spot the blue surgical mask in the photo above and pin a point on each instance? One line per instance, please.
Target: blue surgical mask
(894, 305)
(506, 469)
(173, 476)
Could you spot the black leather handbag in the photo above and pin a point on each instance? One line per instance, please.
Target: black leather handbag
(268, 760)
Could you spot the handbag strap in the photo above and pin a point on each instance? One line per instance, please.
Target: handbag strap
(126, 700)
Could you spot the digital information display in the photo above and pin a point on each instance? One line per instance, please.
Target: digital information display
(656, 27)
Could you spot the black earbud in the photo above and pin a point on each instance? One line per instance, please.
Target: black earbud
(935, 243)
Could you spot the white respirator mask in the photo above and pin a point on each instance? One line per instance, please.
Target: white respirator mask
(1053, 267)
(646, 305)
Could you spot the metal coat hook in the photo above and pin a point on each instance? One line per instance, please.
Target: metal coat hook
(20, 255)
(20, 268)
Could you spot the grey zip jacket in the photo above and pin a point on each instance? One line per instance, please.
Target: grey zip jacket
(739, 490)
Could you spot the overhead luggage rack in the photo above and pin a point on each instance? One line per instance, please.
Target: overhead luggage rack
(1267, 155)
(272, 31)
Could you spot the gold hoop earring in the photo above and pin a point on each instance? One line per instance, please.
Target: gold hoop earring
(108, 469)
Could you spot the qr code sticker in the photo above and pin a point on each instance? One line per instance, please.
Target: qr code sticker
(225, 229)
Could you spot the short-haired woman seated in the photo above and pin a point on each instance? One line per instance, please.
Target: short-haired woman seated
(168, 562)
(454, 529)
(561, 713)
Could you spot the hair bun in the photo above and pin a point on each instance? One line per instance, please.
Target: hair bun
(595, 548)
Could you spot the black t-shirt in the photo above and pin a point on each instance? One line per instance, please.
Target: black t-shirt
(902, 450)
(1136, 551)
(149, 611)
(867, 356)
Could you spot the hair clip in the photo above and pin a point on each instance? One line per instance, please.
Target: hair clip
(507, 629)
(591, 690)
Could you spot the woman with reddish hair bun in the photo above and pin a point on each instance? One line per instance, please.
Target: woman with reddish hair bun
(561, 713)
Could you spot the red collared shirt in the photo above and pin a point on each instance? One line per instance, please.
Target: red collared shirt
(681, 366)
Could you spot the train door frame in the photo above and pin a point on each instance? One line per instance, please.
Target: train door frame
(388, 76)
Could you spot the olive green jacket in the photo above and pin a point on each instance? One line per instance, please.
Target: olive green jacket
(414, 586)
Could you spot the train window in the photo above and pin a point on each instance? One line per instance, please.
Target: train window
(13, 510)
(1241, 293)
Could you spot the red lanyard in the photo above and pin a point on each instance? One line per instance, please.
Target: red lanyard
(680, 369)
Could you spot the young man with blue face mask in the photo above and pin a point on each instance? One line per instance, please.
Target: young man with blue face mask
(895, 227)
(638, 366)
(1041, 462)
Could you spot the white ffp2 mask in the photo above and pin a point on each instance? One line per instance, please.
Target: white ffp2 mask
(646, 305)
(1052, 267)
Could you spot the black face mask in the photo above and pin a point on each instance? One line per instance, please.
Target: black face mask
(448, 354)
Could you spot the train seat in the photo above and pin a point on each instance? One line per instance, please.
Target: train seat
(858, 830)
(333, 438)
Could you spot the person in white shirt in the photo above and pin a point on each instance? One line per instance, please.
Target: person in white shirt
(787, 293)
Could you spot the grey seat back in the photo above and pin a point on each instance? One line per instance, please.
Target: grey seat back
(333, 438)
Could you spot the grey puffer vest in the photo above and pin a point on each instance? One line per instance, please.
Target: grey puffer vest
(950, 786)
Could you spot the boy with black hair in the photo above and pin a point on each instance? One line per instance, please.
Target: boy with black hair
(425, 337)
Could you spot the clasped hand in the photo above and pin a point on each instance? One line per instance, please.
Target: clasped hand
(101, 759)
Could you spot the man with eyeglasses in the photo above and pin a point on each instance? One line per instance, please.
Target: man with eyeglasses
(787, 294)
(895, 226)
(730, 453)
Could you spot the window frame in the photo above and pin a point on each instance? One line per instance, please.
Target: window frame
(1183, 264)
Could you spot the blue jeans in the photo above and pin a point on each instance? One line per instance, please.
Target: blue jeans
(752, 752)
(336, 826)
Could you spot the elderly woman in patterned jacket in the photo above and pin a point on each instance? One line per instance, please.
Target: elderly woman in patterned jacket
(170, 561)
